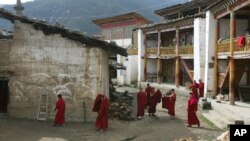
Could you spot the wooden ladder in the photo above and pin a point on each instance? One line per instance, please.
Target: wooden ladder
(43, 107)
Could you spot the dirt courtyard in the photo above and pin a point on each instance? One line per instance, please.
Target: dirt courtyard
(159, 128)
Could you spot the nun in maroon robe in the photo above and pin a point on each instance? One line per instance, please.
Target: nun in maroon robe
(102, 106)
(201, 88)
(97, 103)
(165, 102)
(194, 86)
(148, 91)
(159, 95)
(171, 110)
(152, 103)
(192, 107)
(141, 103)
(60, 111)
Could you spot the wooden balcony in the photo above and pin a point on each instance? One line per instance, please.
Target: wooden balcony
(167, 51)
(133, 51)
(152, 50)
(224, 46)
(170, 50)
(186, 49)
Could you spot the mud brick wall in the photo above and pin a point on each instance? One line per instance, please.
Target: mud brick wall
(56, 65)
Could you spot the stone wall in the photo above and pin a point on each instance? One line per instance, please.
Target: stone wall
(56, 65)
(5, 45)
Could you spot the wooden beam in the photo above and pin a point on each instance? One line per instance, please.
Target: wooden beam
(159, 43)
(215, 82)
(145, 67)
(177, 60)
(232, 61)
(145, 60)
(187, 69)
(159, 70)
(225, 76)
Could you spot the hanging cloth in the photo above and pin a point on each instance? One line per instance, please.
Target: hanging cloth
(241, 41)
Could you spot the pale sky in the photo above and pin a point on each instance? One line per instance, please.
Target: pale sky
(12, 1)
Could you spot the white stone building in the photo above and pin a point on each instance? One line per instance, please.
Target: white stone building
(119, 30)
(43, 58)
(173, 51)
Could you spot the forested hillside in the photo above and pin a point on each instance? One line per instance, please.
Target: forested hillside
(78, 14)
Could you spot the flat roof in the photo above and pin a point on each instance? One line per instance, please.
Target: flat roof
(123, 17)
(183, 7)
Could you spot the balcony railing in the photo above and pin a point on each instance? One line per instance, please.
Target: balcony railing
(133, 51)
(171, 50)
(186, 49)
(167, 50)
(152, 50)
(224, 45)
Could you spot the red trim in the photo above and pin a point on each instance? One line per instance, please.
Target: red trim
(239, 2)
(119, 24)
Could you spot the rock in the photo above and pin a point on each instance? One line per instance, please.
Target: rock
(224, 137)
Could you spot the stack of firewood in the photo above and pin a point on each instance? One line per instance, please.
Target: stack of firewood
(120, 105)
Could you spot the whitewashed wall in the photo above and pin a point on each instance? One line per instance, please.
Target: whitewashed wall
(199, 48)
(210, 40)
(56, 65)
(141, 52)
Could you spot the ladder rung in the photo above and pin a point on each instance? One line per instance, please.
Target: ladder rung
(42, 113)
(41, 118)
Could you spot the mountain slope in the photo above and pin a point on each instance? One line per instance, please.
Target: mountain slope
(78, 14)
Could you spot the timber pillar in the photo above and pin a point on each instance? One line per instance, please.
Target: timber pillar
(177, 60)
(159, 71)
(145, 66)
(159, 64)
(232, 61)
(215, 81)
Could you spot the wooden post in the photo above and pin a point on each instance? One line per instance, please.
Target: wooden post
(159, 70)
(158, 59)
(159, 43)
(232, 65)
(215, 83)
(145, 59)
(177, 60)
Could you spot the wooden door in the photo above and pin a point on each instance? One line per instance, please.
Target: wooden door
(3, 95)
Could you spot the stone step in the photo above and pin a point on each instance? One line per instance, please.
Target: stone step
(226, 111)
(217, 119)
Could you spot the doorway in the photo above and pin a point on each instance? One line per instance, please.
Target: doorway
(4, 94)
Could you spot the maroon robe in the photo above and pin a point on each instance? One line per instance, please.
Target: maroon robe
(192, 108)
(194, 87)
(152, 104)
(148, 91)
(102, 118)
(166, 102)
(97, 103)
(201, 89)
(60, 107)
(141, 103)
(171, 109)
(159, 95)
